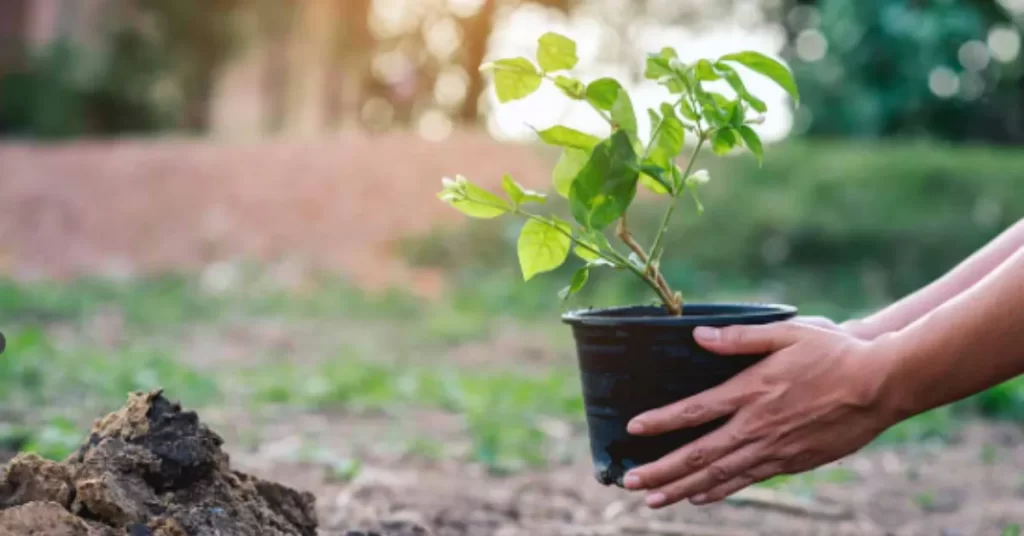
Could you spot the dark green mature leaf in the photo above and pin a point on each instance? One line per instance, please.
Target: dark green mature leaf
(520, 195)
(543, 246)
(734, 80)
(569, 165)
(514, 78)
(568, 137)
(579, 280)
(572, 88)
(723, 140)
(753, 141)
(607, 184)
(556, 52)
(706, 71)
(761, 64)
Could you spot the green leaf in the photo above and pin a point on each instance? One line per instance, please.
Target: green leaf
(657, 68)
(569, 165)
(723, 141)
(623, 115)
(753, 142)
(579, 279)
(556, 52)
(674, 85)
(472, 200)
(518, 194)
(514, 78)
(573, 88)
(543, 246)
(606, 186)
(734, 113)
(706, 72)
(668, 140)
(568, 137)
(761, 64)
(603, 93)
(734, 80)
(687, 111)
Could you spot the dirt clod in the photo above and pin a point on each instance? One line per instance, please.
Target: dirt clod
(149, 469)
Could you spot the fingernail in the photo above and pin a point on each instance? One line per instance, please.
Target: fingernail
(699, 498)
(706, 333)
(635, 427)
(632, 481)
(655, 499)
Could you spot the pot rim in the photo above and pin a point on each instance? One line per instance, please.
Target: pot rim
(694, 314)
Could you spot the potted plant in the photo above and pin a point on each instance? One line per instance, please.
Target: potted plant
(631, 358)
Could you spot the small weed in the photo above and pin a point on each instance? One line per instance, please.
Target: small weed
(56, 439)
(989, 454)
(1011, 530)
(925, 500)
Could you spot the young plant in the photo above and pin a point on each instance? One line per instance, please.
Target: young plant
(599, 177)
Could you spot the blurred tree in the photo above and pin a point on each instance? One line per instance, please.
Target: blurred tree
(878, 68)
(277, 22)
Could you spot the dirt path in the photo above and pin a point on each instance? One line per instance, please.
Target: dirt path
(972, 487)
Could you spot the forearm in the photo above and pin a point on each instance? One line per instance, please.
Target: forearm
(968, 344)
(961, 278)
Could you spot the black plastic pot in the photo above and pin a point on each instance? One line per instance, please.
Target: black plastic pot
(633, 359)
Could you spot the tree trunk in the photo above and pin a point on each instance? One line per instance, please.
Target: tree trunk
(477, 33)
(335, 69)
(277, 21)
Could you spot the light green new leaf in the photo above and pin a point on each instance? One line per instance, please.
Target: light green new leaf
(518, 194)
(579, 279)
(753, 142)
(514, 78)
(595, 241)
(723, 141)
(568, 137)
(696, 199)
(761, 64)
(657, 67)
(569, 165)
(606, 186)
(603, 92)
(543, 246)
(668, 141)
(734, 80)
(556, 52)
(687, 111)
(706, 71)
(572, 88)
(472, 200)
(623, 115)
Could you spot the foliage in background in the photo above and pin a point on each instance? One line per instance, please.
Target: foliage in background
(892, 68)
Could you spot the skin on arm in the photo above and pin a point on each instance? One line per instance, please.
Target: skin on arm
(962, 277)
(824, 394)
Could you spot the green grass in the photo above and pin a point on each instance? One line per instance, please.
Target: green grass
(56, 376)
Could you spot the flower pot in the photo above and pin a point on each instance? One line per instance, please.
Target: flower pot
(633, 359)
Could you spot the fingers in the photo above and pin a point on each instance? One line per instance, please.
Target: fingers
(724, 490)
(733, 471)
(690, 459)
(741, 340)
(694, 411)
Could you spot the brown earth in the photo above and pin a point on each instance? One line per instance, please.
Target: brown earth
(149, 469)
(132, 207)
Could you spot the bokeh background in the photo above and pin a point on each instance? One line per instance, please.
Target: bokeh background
(234, 200)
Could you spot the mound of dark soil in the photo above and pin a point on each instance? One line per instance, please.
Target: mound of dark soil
(149, 469)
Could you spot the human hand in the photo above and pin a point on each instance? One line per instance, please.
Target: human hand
(814, 400)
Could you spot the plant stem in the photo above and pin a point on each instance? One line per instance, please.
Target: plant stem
(672, 205)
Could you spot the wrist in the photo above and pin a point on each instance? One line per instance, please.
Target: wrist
(885, 360)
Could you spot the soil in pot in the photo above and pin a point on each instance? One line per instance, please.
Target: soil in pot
(633, 359)
(149, 469)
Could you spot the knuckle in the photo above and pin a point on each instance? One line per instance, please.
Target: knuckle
(719, 473)
(697, 459)
(691, 411)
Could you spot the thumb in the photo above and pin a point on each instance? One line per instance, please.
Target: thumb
(743, 340)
